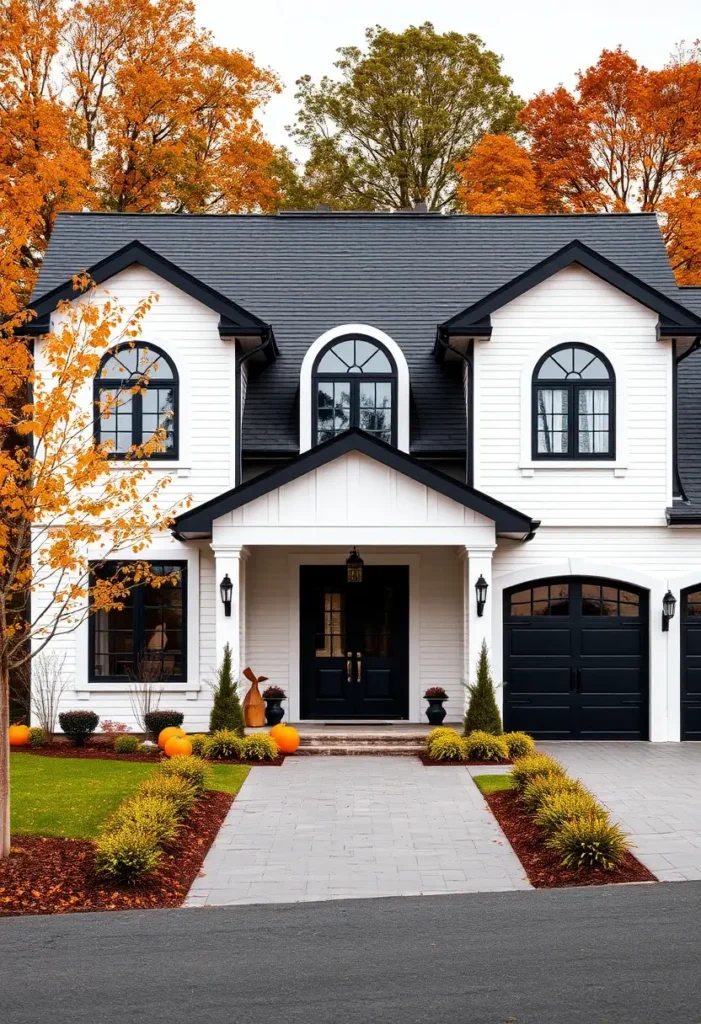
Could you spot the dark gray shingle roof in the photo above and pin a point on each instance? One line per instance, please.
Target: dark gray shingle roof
(404, 274)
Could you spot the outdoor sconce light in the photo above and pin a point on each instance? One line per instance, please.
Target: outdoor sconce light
(226, 589)
(354, 567)
(481, 587)
(669, 604)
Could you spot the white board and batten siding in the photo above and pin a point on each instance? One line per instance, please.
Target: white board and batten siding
(576, 306)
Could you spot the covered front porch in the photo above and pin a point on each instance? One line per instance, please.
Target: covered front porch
(353, 650)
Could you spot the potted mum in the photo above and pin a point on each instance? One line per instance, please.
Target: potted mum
(274, 711)
(435, 712)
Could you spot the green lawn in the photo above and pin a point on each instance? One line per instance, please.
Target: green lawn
(493, 783)
(70, 797)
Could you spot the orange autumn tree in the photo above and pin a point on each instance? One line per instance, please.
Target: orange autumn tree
(121, 105)
(626, 139)
(59, 490)
(499, 177)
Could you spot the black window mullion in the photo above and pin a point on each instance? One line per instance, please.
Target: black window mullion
(138, 626)
(572, 423)
(355, 403)
(136, 418)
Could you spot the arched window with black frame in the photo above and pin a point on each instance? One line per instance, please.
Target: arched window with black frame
(355, 385)
(574, 405)
(137, 390)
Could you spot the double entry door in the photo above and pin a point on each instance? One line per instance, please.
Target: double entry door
(354, 643)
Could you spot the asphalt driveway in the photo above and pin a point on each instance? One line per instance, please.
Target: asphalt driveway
(654, 790)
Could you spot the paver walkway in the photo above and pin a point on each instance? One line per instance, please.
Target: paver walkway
(654, 790)
(321, 828)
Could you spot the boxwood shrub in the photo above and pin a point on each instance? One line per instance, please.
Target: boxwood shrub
(449, 746)
(484, 746)
(78, 725)
(126, 744)
(178, 791)
(540, 764)
(540, 787)
(193, 769)
(126, 853)
(560, 807)
(519, 744)
(153, 814)
(156, 721)
(223, 743)
(259, 746)
(198, 743)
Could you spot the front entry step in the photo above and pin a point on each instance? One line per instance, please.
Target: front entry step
(356, 741)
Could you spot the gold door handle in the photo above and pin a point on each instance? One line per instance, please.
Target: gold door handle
(359, 658)
(349, 666)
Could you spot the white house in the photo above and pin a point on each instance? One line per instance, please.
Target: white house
(509, 401)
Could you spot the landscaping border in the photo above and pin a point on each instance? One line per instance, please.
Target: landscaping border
(106, 752)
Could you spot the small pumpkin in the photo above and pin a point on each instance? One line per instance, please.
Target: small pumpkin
(178, 746)
(287, 738)
(19, 735)
(165, 734)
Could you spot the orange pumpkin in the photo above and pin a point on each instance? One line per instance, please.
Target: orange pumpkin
(165, 734)
(286, 738)
(178, 746)
(277, 729)
(19, 735)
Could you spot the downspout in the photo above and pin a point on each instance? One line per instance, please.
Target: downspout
(676, 360)
(240, 360)
(468, 359)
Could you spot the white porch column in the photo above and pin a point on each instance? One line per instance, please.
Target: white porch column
(477, 561)
(230, 629)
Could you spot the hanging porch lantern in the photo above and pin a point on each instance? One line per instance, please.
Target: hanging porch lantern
(481, 587)
(354, 567)
(669, 604)
(226, 590)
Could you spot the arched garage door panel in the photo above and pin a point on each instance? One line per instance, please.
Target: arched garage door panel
(576, 659)
(691, 664)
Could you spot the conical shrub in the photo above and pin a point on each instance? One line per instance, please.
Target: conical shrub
(226, 712)
(482, 711)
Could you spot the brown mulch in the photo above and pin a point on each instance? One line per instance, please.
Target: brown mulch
(542, 865)
(103, 752)
(426, 760)
(56, 876)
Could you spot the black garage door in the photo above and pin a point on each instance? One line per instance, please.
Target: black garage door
(576, 660)
(691, 664)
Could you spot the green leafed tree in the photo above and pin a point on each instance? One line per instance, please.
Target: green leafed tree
(226, 712)
(482, 711)
(386, 134)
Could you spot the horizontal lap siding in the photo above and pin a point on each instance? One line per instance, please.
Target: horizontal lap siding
(573, 305)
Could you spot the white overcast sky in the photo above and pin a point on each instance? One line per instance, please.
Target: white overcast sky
(543, 42)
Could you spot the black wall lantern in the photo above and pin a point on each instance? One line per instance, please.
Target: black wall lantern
(481, 587)
(354, 567)
(226, 589)
(669, 604)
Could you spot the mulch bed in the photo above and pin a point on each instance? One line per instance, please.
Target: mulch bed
(56, 876)
(426, 760)
(542, 865)
(103, 752)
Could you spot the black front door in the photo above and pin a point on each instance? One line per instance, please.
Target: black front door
(354, 642)
(691, 664)
(575, 659)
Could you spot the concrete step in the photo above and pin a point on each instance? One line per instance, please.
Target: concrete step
(353, 749)
(415, 740)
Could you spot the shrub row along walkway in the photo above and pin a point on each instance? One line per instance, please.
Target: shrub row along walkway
(653, 790)
(322, 828)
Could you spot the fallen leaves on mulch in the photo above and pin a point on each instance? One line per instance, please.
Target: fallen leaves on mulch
(426, 760)
(56, 876)
(541, 864)
(104, 752)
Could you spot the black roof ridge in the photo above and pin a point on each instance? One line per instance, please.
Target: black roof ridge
(431, 215)
(359, 440)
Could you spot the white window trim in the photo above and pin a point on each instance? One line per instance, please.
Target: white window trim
(528, 465)
(306, 390)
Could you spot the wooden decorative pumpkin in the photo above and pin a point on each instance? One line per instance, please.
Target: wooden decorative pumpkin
(19, 735)
(253, 703)
(166, 734)
(178, 746)
(287, 739)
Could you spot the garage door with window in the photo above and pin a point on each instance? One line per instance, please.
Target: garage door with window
(691, 663)
(576, 659)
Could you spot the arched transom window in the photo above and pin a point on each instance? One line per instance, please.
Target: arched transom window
(355, 382)
(574, 393)
(137, 387)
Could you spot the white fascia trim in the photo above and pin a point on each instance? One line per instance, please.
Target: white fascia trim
(620, 464)
(305, 381)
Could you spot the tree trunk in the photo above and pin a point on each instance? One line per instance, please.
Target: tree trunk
(4, 762)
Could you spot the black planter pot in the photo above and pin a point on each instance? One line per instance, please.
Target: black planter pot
(435, 712)
(274, 711)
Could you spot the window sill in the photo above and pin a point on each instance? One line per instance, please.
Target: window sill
(528, 468)
(85, 690)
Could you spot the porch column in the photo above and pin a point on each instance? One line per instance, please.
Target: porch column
(477, 561)
(229, 560)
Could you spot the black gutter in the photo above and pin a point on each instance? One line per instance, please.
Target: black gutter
(268, 340)
(442, 339)
(676, 360)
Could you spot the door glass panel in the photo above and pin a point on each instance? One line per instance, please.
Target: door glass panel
(330, 637)
(377, 622)
(609, 601)
(547, 599)
(693, 603)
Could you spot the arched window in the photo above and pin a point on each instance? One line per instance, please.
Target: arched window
(132, 417)
(355, 385)
(574, 399)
